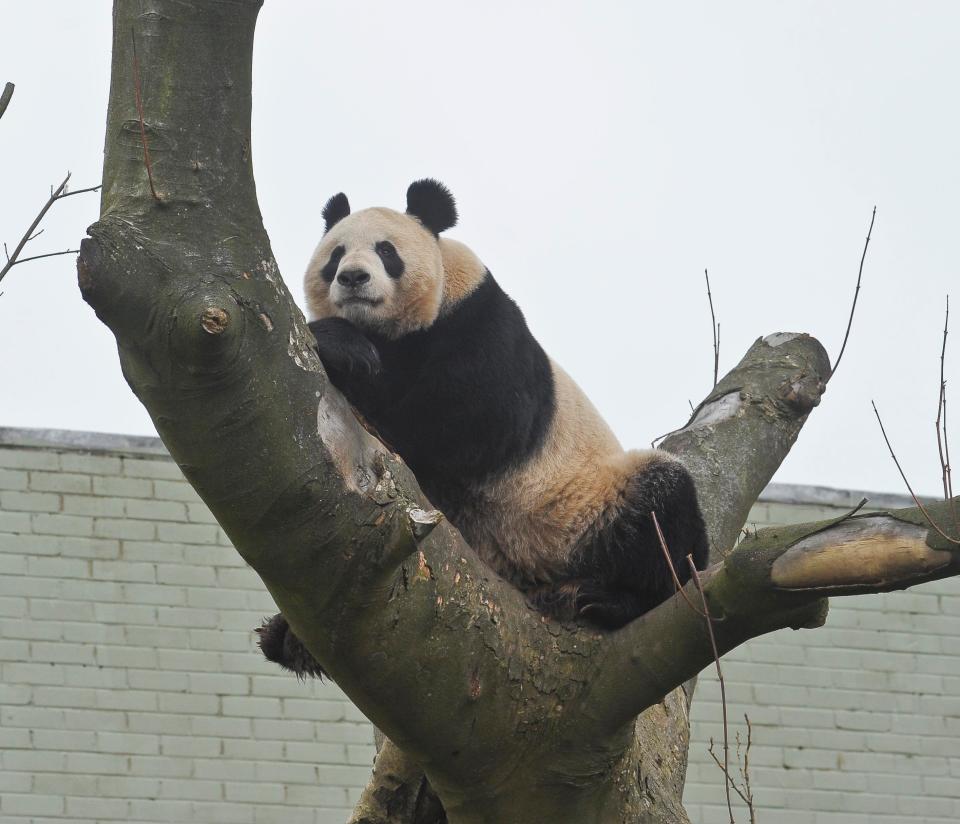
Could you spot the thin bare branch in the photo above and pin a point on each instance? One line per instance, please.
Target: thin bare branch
(5, 97)
(856, 294)
(55, 194)
(138, 97)
(48, 254)
(743, 789)
(715, 327)
(943, 443)
(913, 495)
(723, 689)
(73, 192)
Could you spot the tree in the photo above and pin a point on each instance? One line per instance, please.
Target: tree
(510, 716)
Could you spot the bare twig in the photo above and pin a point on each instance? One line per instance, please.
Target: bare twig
(50, 254)
(723, 689)
(715, 327)
(56, 194)
(943, 444)
(913, 495)
(856, 293)
(5, 97)
(744, 790)
(138, 97)
(705, 614)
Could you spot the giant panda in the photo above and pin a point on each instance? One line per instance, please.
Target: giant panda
(418, 335)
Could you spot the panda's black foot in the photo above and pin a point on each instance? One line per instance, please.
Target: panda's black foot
(610, 609)
(344, 348)
(279, 644)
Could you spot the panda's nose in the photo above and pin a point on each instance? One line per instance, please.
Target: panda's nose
(353, 278)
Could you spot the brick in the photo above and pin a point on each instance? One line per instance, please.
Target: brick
(204, 725)
(50, 609)
(128, 743)
(42, 652)
(261, 792)
(157, 722)
(239, 579)
(161, 595)
(195, 746)
(94, 507)
(124, 786)
(131, 700)
(80, 462)
(33, 804)
(14, 522)
(63, 524)
(30, 501)
(28, 459)
(156, 510)
(13, 565)
(29, 673)
(187, 533)
(186, 575)
(124, 529)
(58, 567)
(175, 491)
(226, 769)
(314, 710)
(153, 551)
(161, 766)
(110, 486)
(99, 548)
(162, 468)
(190, 703)
(82, 740)
(60, 482)
(13, 739)
(121, 656)
(199, 514)
(124, 571)
(187, 617)
(28, 586)
(253, 707)
(97, 809)
(95, 677)
(125, 613)
(97, 763)
(13, 479)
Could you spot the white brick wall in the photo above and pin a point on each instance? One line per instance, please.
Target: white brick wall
(131, 688)
(854, 723)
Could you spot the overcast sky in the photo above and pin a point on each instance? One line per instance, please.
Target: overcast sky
(602, 154)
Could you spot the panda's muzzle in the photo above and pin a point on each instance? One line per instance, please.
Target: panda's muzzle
(353, 278)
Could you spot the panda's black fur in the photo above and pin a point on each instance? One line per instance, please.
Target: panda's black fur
(501, 440)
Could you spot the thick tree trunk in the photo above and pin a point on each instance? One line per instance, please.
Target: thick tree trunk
(511, 717)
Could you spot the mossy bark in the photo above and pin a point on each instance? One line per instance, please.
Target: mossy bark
(511, 717)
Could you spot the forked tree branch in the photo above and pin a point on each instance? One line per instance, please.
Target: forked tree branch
(449, 661)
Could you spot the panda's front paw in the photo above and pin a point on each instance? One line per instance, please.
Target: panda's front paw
(344, 348)
(280, 645)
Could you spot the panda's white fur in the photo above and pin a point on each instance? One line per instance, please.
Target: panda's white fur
(440, 361)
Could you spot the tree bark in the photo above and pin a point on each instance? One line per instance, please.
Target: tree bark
(511, 717)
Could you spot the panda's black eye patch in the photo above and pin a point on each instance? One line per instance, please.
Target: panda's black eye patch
(392, 261)
(329, 271)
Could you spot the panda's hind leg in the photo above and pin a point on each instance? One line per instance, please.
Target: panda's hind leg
(621, 565)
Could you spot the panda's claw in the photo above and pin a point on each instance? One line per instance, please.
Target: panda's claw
(344, 348)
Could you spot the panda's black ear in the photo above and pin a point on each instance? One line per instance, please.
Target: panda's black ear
(432, 204)
(337, 208)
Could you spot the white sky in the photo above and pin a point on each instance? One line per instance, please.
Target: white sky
(602, 154)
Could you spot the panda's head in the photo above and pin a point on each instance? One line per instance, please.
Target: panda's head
(381, 269)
